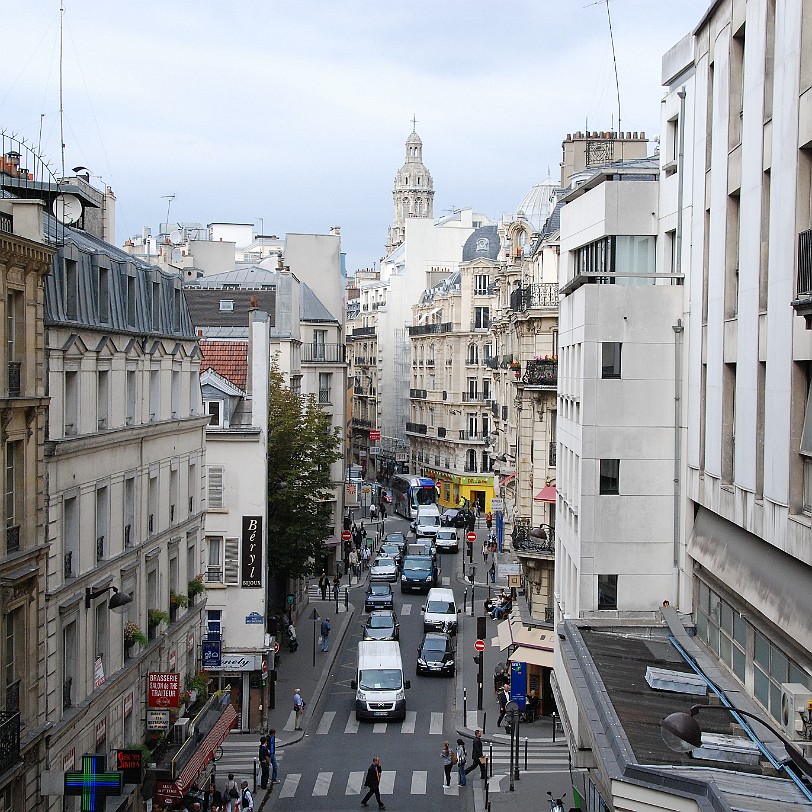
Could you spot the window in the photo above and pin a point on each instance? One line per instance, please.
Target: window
(473, 354)
(130, 395)
(215, 476)
(156, 305)
(231, 562)
(470, 461)
(610, 359)
(177, 303)
(15, 324)
(607, 592)
(609, 476)
(70, 662)
(481, 284)
(132, 301)
(102, 522)
(214, 622)
(154, 395)
(175, 393)
(214, 560)
(486, 462)
(226, 305)
(102, 614)
(129, 512)
(214, 408)
(482, 318)
(486, 389)
(71, 408)
(152, 504)
(71, 289)
(15, 492)
(104, 296)
(103, 400)
(472, 423)
(192, 485)
(173, 494)
(194, 393)
(472, 389)
(319, 341)
(324, 387)
(70, 523)
(14, 658)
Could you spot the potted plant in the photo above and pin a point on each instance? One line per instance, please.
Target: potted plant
(156, 617)
(181, 601)
(133, 635)
(195, 587)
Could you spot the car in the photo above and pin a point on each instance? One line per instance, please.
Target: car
(379, 596)
(392, 551)
(456, 518)
(395, 538)
(383, 569)
(386, 496)
(435, 654)
(382, 624)
(447, 540)
(419, 572)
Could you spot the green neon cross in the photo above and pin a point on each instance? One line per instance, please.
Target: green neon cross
(93, 783)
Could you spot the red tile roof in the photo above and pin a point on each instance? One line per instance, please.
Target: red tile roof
(228, 359)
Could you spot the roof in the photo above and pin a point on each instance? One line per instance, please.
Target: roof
(482, 244)
(538, 203)
(228, 359)
(311, 308)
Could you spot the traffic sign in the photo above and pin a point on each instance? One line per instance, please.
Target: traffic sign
(479, 645)
(346, 535)
(374, 434)
(497, 503)
(471, 536)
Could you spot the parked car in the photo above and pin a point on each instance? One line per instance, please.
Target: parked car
(419, 573)
(382, 624)
(456, 518)
(447, 540)
(392, 551)
(383, 569)
(436, 654)
(379, 596)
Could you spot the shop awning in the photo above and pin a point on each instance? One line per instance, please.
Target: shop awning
(331, 541)
(504, 639)
(547, 494)
(218, 717)
(505, 479)
(515, 633)
(532, 656)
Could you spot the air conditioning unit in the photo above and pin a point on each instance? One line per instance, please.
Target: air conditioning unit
(796, 710)
(180, 730)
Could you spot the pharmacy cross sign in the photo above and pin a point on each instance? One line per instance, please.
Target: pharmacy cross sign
(93, 783)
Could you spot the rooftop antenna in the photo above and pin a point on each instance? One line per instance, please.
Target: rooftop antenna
(614, 57)
(168, 199)
(61, 108)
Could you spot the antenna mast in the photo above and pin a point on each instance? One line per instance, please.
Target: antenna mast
(614, 60)
(61, 108)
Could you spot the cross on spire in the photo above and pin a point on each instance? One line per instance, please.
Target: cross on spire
(414, 123)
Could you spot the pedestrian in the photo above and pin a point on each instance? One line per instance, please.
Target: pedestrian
(246, 800)
(486, 548)
(373, 783)
(325, 634)
(363, 533)
(353, 561)
(462, 757)
(336, 587)
(448, 761)
(489, 520)
(367, 555)
(492, 569)
(373, 512)
(478, 758)
(231, 794)
(502, 699)
(272, 751)
(324, 582)
(383, 510)
(299, 706)
(264, 762)
(356, 535)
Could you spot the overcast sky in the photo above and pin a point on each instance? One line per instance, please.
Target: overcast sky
(294, 115)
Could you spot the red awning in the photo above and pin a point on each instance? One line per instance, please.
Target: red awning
(547, 494)
(505, 479)
(204, 753)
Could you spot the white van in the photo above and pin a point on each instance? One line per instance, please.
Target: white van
(380, 690)
(440, 611)
(427, 522)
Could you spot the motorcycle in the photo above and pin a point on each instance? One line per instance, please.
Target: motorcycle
(293, 643)
(556, 804)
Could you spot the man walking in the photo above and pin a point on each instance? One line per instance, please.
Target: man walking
(325, 634)
(373, 783)
(264, 761)
(324, 582)
(272, 751)
(299, 706)
(478, 757)
(246, 799)
(503, 699)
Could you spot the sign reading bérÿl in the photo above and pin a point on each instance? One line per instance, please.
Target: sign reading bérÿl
(163, 690)
(251, 552)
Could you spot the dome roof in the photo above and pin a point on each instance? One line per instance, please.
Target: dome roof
(538, 204)
(482, 244)
(413, 138)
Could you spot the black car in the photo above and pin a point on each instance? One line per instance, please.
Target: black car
(436, 654)
(395, 538)
(418, 573)
(379, 596)
(382, 624)
(456, 518)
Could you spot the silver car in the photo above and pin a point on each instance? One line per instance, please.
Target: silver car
(383, 569)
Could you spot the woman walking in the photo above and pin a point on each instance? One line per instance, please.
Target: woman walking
(446, 756)
(462, 757)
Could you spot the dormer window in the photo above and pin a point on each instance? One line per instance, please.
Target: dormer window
(214, 408)
(226, 305)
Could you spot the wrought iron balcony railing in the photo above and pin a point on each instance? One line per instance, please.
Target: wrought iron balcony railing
(543, 373)
(539, 295)
(430, 329)
(363, 331)
(14, 379)
(10, 724)
(316, 353)
(13, 538)
(416, 428)
(553, 452)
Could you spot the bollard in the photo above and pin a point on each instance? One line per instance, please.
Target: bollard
(346, 600)
(253, 791)
(465, 707)
(553, 727)
(465, 602)
(490, 760)
(484, 719)
(525, 753)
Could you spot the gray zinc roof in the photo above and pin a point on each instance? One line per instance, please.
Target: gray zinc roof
(482, 244)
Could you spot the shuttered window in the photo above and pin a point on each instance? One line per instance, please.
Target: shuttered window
(216, 476)
(232, 561)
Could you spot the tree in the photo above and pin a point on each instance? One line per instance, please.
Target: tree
(302, 445)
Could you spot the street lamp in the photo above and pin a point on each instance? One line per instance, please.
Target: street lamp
(681, 732)
(117, 603)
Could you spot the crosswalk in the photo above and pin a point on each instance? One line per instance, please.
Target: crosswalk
(393, 782)
(431, 722)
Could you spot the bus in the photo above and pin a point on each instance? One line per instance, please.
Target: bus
(410, 491)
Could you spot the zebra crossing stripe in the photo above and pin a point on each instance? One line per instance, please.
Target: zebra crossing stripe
(291, 785)
(291, 723)
(409, 722)
(352, 724)
(388, 782)
(454, 789)
(379, 727)
(324, 724)
(471, 720)
(436, 726)
(419, 781)
(355, 782)
(406, 609)
(322, 784)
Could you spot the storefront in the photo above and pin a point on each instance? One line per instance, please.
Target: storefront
(453, 488)
(242, 675)
(533, 647)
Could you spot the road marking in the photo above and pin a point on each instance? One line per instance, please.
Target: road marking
(472, 720)
(326, 721)
(493, 783)
(352, 724)
(388, 782)
(406, 609)
(379, 727)
(446, 580)
(436, 726)
(409, 722)
(291, 723)
(322, 783)
(291, 785)
(419, 781)
(454, 789)
(355, 783)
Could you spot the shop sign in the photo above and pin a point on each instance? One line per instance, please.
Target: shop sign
(158, 720)
(518, 684)
(401, 456)
(98, 673)
(128, 703)
(128, 762)
(476, 480)
(211, 654)
(503, 570)
(163, 690)
(240, 662)
(101, 731)
(350, 495)
(251, 552)
(167, 792)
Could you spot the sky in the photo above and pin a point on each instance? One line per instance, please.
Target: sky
(294, 115)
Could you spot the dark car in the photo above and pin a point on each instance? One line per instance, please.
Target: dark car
(436, 654)
(456, 518)
(395, 538)
(419, 573)
(382, 624)
(379, 596)
(392, 551)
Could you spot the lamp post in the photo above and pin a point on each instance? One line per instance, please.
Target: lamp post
(681, 732)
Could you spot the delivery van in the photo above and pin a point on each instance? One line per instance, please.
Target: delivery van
(427, 522)
(440, 611)
(380, 689)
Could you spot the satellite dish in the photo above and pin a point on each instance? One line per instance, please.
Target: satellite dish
(67, 209)
(176, 237)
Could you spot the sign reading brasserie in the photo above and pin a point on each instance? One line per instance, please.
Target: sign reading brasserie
(251, 552)
(163, 690)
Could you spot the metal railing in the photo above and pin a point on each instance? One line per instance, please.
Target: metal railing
(360, 423)
(537, 295)
(553, 453)
(363, 331)
(420, 394)
(541, 373)
(323, 353)
(13, 696)
(10, 725)
(805, 263)
(68, 565)
(416, 428)
(429, 329)
(6, 223)
(14, 379)
(324, 395)
(13, 538)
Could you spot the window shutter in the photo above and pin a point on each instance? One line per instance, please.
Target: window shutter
(216, 475)
(232, 561)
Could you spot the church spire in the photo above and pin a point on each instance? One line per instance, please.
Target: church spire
(413, 193)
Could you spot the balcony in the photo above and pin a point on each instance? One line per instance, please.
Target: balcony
(541, 373)
(538, 296)
(552, 457)
(492, 363)
(416, 428)
(324, 395)
(12, 538)
(368, 392)
(9, 739)
(472, 436)
(14, 378)
(472, 397)
(419, 394)
(6, 227)
(360, 423)
(323, 353)
(358, 332)
(803, 302)
(429, 362)
(430, 329)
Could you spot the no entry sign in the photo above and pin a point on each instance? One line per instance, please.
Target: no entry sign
(346, 535)
(479, 645)
(471, 536)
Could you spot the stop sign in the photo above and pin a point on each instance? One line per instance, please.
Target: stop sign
(479, 645)
(471, 536)
(346, 535)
